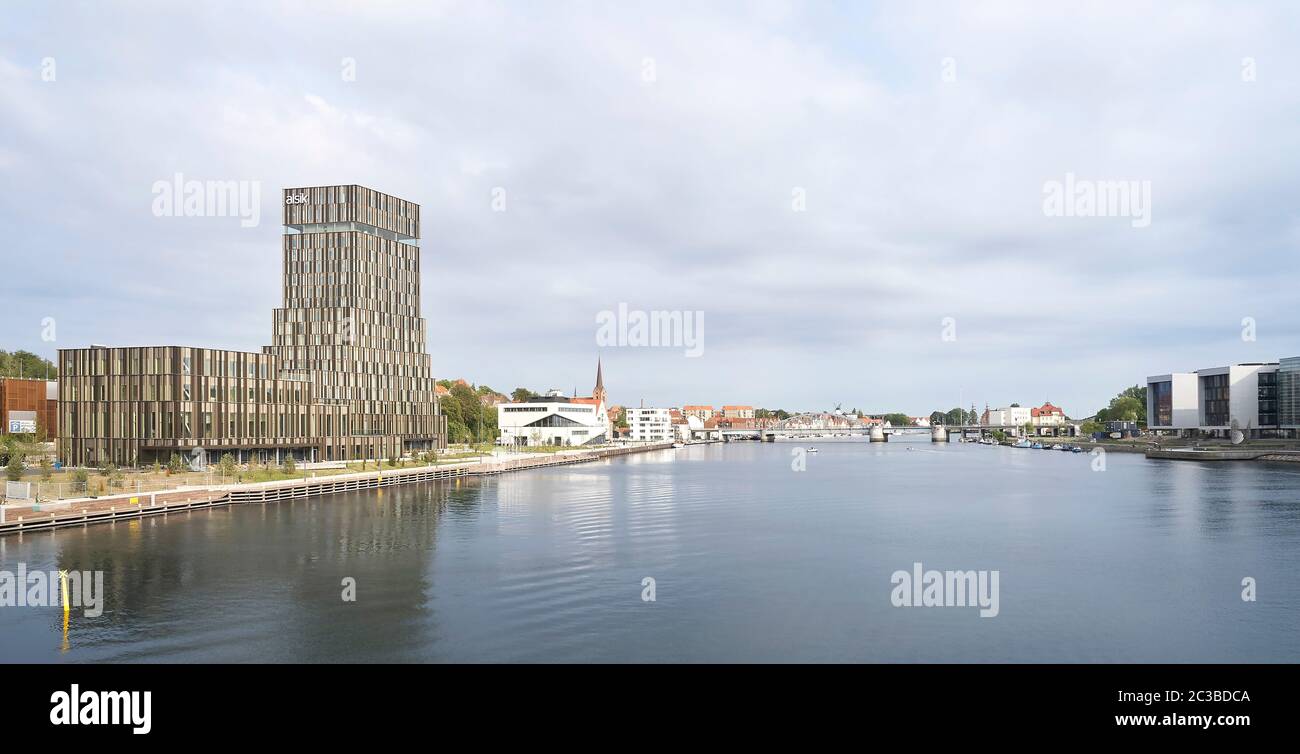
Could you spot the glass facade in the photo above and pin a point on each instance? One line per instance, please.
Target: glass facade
(1288, 392)
(1161, 408)
(1267, 399)
(1214, 400)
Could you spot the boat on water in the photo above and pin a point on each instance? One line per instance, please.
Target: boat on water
(1037, 446)
(678, 445)
(1022, 444)
(812, 450)
(1076, 449)
(1063, 447)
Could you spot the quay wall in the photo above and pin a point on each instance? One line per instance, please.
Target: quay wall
(18, 519)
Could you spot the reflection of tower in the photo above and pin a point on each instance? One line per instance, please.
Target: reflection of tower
(599, 391)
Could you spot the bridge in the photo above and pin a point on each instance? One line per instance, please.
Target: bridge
(837, 425)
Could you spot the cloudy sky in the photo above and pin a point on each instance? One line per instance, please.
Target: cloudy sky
(853, 194)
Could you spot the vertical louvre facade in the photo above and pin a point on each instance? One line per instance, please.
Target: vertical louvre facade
(347, 375)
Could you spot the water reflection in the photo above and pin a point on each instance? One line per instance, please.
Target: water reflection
(753, 561)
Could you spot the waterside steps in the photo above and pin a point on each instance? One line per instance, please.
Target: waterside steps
(140, 505)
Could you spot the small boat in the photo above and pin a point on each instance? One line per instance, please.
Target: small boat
(1063, 447)
(1022, 444)
(1037, 446)
(812, 450)
(1076, 449)
(678, 445)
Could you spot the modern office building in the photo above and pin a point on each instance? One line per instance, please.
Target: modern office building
(649, 424)
(29, 407)
(1217, 400)
(556, 420)
(347, 375)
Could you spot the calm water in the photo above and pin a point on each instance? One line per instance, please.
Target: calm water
(752, 562)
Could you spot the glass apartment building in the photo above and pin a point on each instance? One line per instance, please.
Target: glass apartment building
(347, 375)
(1288, 393)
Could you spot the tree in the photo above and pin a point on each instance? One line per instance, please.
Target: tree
(47, 468)
(1129, 406)
(26, 364)
(227, 465)
(898, 420)
(1092, 426)
(522, 394)
(288, 465)
(175, 465)
(14, 469)
(80, 480)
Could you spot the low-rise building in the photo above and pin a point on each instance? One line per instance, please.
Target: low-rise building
(738, 412)
(1257, 398)
(29, 407)
(1047, 415)
(649, 424)
(1011, 416)
(553, 419)
(703, 412)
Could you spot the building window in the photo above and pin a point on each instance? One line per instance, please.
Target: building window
(1214, 392)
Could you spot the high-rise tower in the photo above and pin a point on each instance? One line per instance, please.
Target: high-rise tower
(351, 321)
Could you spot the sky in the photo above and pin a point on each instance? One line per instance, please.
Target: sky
(854, 196)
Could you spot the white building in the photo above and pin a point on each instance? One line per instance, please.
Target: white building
(1216, 400)
(649, 424)
(553, 420)
(1011, 416)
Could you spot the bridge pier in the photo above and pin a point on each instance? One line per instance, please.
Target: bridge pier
(878, 434)
(938, 434)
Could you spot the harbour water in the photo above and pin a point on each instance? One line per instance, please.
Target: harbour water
(751, 560)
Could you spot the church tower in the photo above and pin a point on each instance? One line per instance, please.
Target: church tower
(599, 391)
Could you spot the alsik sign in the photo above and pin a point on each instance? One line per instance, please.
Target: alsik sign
(296, 198)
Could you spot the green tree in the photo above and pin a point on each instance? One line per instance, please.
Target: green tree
(288, 465)
(26, 364)
(81, 480)
(175, 465)
(227, 465)
(898, 420)
(14, 469)
(47, 468)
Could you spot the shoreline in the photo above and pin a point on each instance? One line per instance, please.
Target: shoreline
(126, 506)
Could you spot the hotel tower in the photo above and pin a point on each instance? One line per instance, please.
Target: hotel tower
(347, 375)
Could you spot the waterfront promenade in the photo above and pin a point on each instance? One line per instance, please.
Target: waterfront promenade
(16, 519)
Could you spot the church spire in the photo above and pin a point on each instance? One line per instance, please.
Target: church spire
(599, 392)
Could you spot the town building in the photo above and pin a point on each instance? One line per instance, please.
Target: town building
(738, 412)
(29, 407)
(554, 419)
(704, 413)
(347, 375)
(1011, 416)
(649, 424)
(1047, 415)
